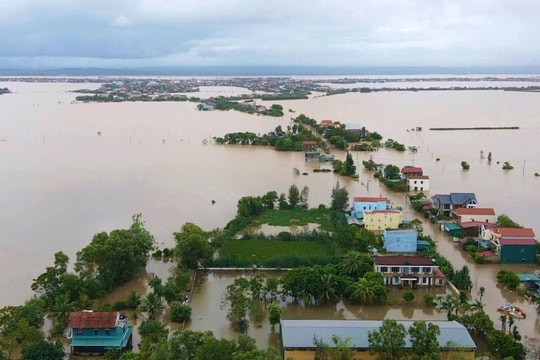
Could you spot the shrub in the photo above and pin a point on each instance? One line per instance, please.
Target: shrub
(429, 300)
(508, 278)
(180, 312)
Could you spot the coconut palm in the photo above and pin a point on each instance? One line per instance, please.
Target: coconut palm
(450, 304)
(62, 308)
(352, 262)
(482, 290)
(362, 292)
(328, 285)
(152, 304)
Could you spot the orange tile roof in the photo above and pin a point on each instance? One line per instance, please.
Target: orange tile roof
(515, 232)
(475, 211)
(92, 320)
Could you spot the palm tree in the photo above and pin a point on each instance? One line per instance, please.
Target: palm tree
(351, 263)
(450, 304)
(362, 292)
(476, 305)
(328, 285)
(62, 308)
(482, 290)
(152, 304)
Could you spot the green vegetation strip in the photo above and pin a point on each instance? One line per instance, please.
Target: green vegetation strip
(268, 249)
(298, 217)
(476, 128)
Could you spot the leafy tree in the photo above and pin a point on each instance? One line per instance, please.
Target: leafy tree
(274, 314)
(388, 343)
(49, 283)
(180, 312)
(424, 341)
(391, 172)
(118, 256)
(349, 167)
(294, 196)
(192, 245)
(43, 350)
(508, 278)
(238, 303)
(408, 296)
(340, 198)
(152, 332)
(504, 345)
(504, 220)
(269, 199)
(282, 202)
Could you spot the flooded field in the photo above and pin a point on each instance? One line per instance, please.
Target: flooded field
(61, 183)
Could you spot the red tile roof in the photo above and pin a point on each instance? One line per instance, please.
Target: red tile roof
(411, 169)
(419, 177)
(326, 123)
(309, 142)
(475, 211)
(369, 199)
(92, 320)
(438, 273)
(504, 241)
(515, 232)
(473, 224)
(401, 260)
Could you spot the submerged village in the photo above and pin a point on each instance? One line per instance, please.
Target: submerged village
(366, 250)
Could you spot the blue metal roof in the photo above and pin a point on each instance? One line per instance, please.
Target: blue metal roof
(462, 198)
(528, 277)
(299, 334)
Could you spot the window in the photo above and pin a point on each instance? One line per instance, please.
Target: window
(395, 269)
(415, 269)
(79, 332)
(108, 332)
(96, 332)
(384, 269)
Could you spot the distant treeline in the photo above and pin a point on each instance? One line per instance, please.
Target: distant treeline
(476, 128)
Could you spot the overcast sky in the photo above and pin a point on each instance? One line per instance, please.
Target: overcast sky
(135, 33)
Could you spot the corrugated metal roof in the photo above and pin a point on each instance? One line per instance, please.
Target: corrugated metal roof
(92, 320)
(299, 334)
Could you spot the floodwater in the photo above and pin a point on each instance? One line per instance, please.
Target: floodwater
(61, 183)
(209, 315)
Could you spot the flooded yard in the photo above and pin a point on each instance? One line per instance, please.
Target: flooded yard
(209, 315)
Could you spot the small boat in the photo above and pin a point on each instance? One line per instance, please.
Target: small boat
(512, 310)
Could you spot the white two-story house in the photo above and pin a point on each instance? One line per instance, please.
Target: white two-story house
(409, 270)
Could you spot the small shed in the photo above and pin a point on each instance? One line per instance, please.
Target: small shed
(452, 229)
(422, 245)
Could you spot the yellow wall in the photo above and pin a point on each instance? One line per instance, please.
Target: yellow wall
(365, 355)
(382, 221)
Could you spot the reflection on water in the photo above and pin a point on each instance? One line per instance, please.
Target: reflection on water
(208, 315)
(69, 184)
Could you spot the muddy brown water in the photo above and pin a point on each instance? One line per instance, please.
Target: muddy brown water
(61, 183)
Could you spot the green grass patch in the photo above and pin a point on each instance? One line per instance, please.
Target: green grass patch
(298, 217)
(267, 249)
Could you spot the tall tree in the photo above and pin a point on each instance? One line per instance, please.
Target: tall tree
(43, 350)
(388, 343)
(191, 245)
(274, 314)
(340, 198)
(349, 168)
(424, 341)
(118, 256)
(152, 304)
(304, 194)
(294, 196)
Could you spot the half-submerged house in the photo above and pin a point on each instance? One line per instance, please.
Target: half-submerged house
(409, 270)
(296, 337)
(97, 332)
